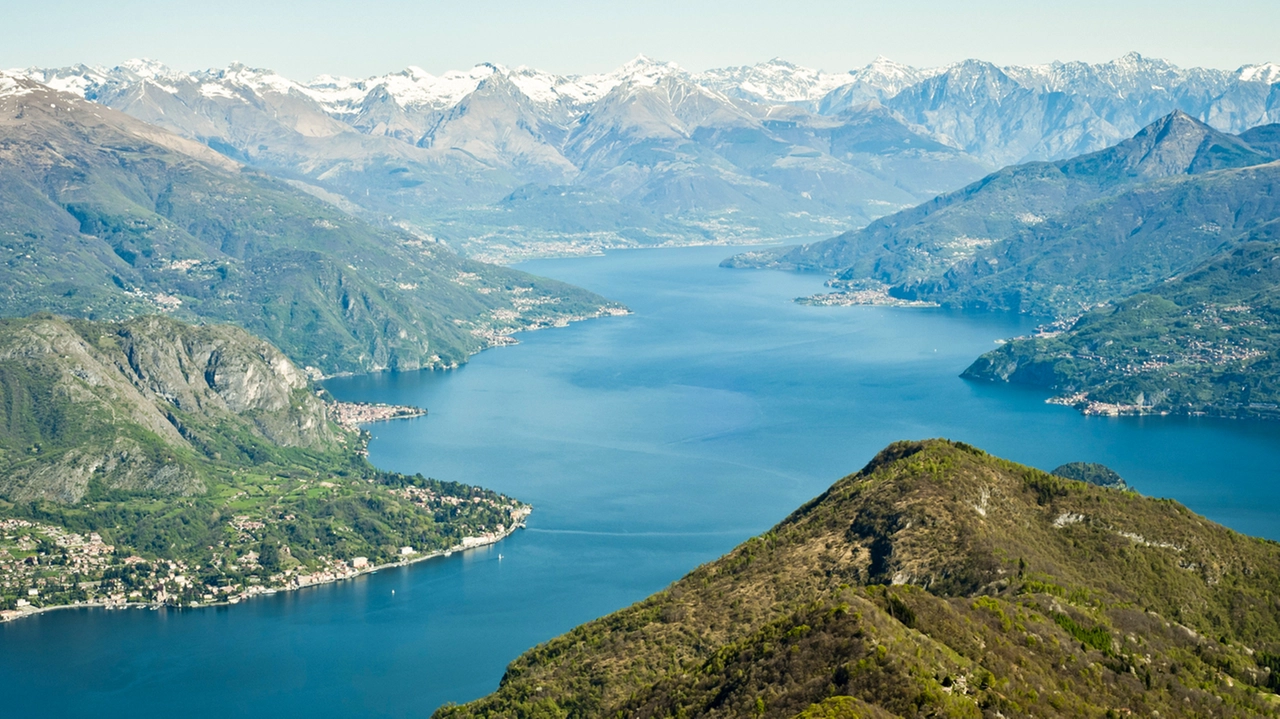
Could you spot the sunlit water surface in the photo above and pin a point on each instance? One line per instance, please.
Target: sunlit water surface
(648, 444)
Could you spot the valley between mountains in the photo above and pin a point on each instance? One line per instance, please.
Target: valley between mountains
(186, 256)
(162, 439)
(1150, 260)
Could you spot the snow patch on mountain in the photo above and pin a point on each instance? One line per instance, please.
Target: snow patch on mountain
(12, 86)
(776, 81)
(1267, 72)
(892, 77)
(213, 89)
(416, 87)
(256, 79)
(149, 69)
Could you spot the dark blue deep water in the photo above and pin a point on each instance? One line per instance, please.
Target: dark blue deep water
(648, 444)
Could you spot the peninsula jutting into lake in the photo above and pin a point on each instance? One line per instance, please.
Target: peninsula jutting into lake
(936, 386)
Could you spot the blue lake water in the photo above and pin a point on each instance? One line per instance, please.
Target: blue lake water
(648, 444)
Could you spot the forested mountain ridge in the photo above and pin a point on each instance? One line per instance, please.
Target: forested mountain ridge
(108, 217)
(1204, 343)
(154, 461)
(1113, 247)
(938, 581)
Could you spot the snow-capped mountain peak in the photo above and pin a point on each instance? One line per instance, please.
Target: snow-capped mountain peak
(77, 79)
(257, 79)
(646, 71)
(415, 87)
(1267, 72)
(337, 95)
(775, 81)
(148, 69)
(890, 76)
(14, 85)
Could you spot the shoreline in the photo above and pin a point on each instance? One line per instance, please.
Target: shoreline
(293, 586)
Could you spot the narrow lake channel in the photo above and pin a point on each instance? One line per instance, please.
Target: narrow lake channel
(647, 444)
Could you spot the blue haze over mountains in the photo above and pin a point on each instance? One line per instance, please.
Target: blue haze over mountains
(507, 163)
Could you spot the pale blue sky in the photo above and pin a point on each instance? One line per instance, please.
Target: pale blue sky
(575, 36)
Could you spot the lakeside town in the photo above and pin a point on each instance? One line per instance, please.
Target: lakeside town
(849, 293)
(353, 414)
(45, 567)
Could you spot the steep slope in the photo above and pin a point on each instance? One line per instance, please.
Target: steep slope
(938, 581)
(922, 243)
(144, 406)
(1113, 247)
(154, 461)
(105, 217)
(1205, 343)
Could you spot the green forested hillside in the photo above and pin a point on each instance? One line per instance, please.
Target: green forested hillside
(105, 217)
(938, 581)
(193, 452)
(1205, 343)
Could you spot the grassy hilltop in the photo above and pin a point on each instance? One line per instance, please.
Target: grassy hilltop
(937, 581)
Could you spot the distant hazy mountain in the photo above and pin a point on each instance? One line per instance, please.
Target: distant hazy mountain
(104, 216)
(1052, 237)
(723, 155)
(776, 82)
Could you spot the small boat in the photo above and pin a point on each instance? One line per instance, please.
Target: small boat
(499, 557)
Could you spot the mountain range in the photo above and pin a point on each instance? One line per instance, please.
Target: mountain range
(504, 163)
(1054, 238)
(938, 581)
(107, 217)
(1154, 257)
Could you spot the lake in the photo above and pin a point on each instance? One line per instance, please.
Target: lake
(647, 444)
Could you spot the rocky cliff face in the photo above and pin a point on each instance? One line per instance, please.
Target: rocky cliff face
(141, 406)
(221, 370)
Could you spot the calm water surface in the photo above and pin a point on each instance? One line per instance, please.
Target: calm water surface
(648, 444)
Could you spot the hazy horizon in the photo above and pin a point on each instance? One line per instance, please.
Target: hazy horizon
(577, 37)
